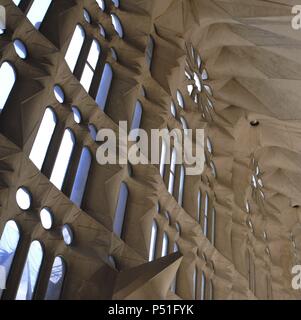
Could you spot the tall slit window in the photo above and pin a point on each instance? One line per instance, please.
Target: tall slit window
(37, 12)
(203, 286)
(153, 241)
(81, 177)
(120, 209)
(8, 246)
(206, 215)
(90, 66)
(7, 81)
(172, 171)
(63, 158)
(163, 157)
(43, 138)
(165, 244)
(56, 279)
(149, 51)
(75, 47)
(199, 208)
(136, 121)
(181, 186)
(194, 284)
(213, 226)
(104, 87)
(31, 272)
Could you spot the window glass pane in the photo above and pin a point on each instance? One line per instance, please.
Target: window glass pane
(30, 272)
(104, 87)
(94, 54)
(16, 2)
(87, 77)
(117, 25)
(137, 116)
(81, 177)
(165, 245)
(56, 279)
(7, 81)
(38, 11)
(120, 209)
(20, 49)
(149, 51)
(43, 138)
(75, 47)
(163, 158)
(8, 246)
(181, 186)
(62, 159)
(153, 241)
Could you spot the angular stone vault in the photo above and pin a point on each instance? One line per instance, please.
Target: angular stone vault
(234, 232)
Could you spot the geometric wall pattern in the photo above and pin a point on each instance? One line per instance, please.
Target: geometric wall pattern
(229, 67)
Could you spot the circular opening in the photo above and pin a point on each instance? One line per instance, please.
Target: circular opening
(46, 218)
(87, 16)
(59, 93)
(23, 198)
(67, 234)
(20, 49)
(76, 115)
(296, 206)
(254, 123)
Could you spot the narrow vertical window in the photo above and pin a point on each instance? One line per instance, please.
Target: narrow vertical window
(90, 66)
(63, 158)
(7, 81)
(37, 12)
(136, 121)
(153, 241)
(120, 209)
(172, 171)
(104, 87)
(149, 51)
(203, 286)
(199, 207)
(43, 138)
(213, 226)
(205, 230)
(56, 279)
(194, 284)
(181, 186)
(31, 272)
(81, 177)
(165, 244)
(163, 157)
(8, 246)
(75, 47)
